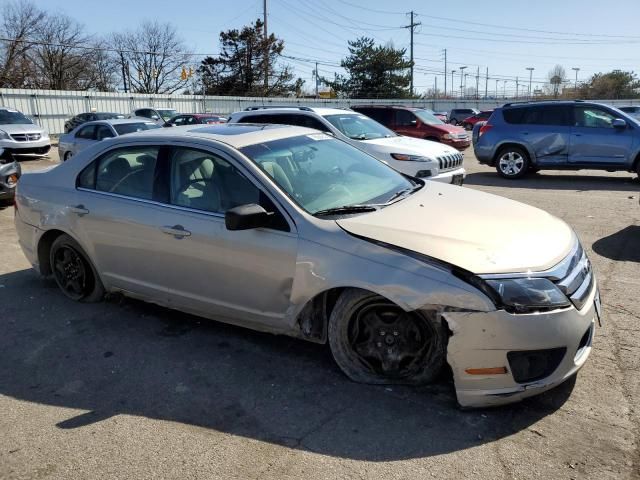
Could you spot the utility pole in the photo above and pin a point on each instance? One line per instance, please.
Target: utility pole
(266, 50)
(517, 86)
(435, 92)
(124, 74)
(477, 82)
(486, 85)
(452, 88)
(531, 69)
(445, 74)
(575, 88)
(497, 88)
(316, 72)
(461, 76)
(411, 28)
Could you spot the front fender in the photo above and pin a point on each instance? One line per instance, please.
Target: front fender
(406, 281)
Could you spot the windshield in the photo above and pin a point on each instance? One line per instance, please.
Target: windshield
(320, 172)
(124, 128)
(359, 127)
(13, 117)
(167, 113)
(427, 117)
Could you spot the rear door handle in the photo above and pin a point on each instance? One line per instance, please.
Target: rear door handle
(79, 210)
(178, 231)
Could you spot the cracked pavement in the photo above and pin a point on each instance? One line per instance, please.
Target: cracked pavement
(124, 389)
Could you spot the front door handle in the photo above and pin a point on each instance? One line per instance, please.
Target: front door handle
(178, 231)
(79, 210)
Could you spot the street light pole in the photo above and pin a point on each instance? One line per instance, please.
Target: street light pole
(452, 90)
(531, 69)
(575, 88)
(461, 79)
(504, 89)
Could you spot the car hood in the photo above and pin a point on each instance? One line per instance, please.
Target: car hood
(409, 146)
(477, 231)
(14, 128)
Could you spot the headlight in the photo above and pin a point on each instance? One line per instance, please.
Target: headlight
(448, 136)
(528, 294)
(409, 158)
(4, 135)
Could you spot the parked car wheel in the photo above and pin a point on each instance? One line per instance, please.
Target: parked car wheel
(73, 272)
(513, 162)
(375, 341)
(67, 156)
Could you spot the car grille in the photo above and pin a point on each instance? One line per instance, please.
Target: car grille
(449, 162)
(26, 137)
(462, 136)
(578, 280)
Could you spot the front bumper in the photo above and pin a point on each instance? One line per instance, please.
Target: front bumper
(35, 147)
(458, 143)
(448, 177)
(482, 340)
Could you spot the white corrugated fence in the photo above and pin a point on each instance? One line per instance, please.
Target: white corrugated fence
(51, 108)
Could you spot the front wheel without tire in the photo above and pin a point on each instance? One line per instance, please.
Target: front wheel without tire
(513, 162)
(73, 272)
(375, 341)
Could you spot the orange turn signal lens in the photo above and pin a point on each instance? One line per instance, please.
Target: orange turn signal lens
(12, 180)
(487, 371)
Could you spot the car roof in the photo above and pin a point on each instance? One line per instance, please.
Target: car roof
(119, 121)
(553, 102)
(322, 111)
(236, 135)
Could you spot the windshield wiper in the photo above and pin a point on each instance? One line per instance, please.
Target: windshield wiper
(402, 193)
(346, 209)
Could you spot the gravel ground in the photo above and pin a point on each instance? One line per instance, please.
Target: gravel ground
(124, 389)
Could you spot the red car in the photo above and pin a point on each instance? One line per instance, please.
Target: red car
(469, 122)
(416, 122)
(196, 118)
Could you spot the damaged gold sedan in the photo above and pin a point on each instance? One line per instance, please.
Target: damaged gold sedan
(291, 231)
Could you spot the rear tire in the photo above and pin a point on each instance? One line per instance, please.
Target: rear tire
(73, 272)
(512, 163)
(374, 341)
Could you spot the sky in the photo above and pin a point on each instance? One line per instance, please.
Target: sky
(503, 36)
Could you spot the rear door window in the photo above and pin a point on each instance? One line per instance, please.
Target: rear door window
(86, 133)
(128, 171)
(102, 132)
(405, 118)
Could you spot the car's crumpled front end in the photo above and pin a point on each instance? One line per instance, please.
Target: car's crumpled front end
(533, 341)
(541, 293)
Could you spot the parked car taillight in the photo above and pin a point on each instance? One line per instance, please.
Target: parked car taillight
(484, 128)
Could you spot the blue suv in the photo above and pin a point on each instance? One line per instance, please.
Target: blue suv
(572, 135)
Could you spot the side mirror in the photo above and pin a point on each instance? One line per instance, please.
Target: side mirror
(619, 123)
(155, 117)
(247, 217)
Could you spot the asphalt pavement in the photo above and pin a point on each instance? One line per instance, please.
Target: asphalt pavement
(124, 389)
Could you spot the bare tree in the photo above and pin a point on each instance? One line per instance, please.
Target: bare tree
(557, 77)
(20, 20)
(60, 59)
(152, 57)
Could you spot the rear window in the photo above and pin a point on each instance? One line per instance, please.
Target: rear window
(124, 128)
(557, 115)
